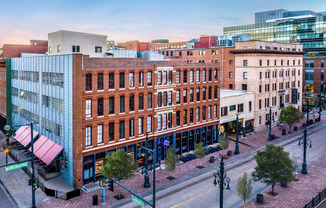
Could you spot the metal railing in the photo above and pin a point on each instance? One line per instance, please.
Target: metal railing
(316, 200)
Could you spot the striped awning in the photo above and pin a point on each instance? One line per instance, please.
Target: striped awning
(23, 135)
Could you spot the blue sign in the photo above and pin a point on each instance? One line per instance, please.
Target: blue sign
(166, 143)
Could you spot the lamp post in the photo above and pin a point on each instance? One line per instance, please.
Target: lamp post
(270, 124)
(6, 151)
(222, 180)
(307, 109)
(146, 179)
(305, 141)
(237, 151)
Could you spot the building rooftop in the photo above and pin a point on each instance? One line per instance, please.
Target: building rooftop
(230, 93)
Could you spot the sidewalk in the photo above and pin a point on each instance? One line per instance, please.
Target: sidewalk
(298, 193)
(189, 169)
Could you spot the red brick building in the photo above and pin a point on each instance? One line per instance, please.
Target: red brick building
(206, 41)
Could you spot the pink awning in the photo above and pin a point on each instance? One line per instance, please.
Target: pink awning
(23, 135)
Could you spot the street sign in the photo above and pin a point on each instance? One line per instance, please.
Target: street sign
(16, 166)
(166, 143)
(138, 201)
(102, 182)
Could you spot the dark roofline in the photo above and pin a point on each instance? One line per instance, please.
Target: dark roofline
(239, 51)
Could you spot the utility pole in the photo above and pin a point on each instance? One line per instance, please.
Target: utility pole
(270, 124)
(237, 151)
(146, 182)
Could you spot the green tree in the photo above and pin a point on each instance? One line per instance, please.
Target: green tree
(244, 188)
(200, 151)
(273, 165)
(224, 142)
(290, 115)
(120, 165)
(170, 160)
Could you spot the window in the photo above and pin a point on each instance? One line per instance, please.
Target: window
(191, 115)
(204, 75)
(275, 62)
(224, 111)
(197, 114)
(215, 75)
(267, 62)
(260, 75)
(185, 76)
(178, 118)
(170, 97)
(88, 108)
(232, 107)
(191, 76)
(98, 49)
(260, 62)
(184, 96)
(159, 122)
(100, 106)
(50, 49)
(131, 127)
(169, 120)
(131, 103)
(141, 101)
(111, 81)
(88, 82)
(244, 86)
(322, 64)
(230, 75)
(249, 106)
(210, 75)
(288, 62)
(198, 94)
(121, 129)
(198, 76)
(100, 134)
(209, 93)
(140, 125)
(141, 79)
(231, 86)
(259, 88)
(165, 98)
(204, 93)
(111, 131)
(131, 79)
(88, 136)
(178, 97)
(215, 111)
(204, 113)
(240, 107)
(259, 104)
(215, 92)
(191, 95)
(293, 62)
(170, 77)
(100, 81)
(165, 78)
(281, 86)
(149, 124)
(75, 49)
(149, 100)
(178, 77)
(149, 78)
(230, 62)
(159, 78)
(209, 112)
(245, 76)
(111, 105)
(122, 80)
(122, 104)
(245, 62)
(185, 116)
(281, 62)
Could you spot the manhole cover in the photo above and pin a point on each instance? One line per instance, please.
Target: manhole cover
(119, 197)
(170, 178)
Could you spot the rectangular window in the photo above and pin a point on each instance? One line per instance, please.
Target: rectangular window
(149, 100)
(178, 118)
(185, 76)
(122, 104)
(100, 134)
(178, 97)
(100, 106)
(88, 108)
(131, 103)
(191, 95)
(240, 107)
(215, 111)
(230, 75)
(178, 77)
(131, 127)
(204, 113)
(191, 115)
(141, 101)
(159, 78)
(245, 62)
(165, 78)
(184, 96)
(122, 129)
(111, 105)
(230, 62)
(159, 99)
(204, 93)
(210, 75)
(100, 81)
(149, 124)
(259, 104)
(170, 97)
(232, 107)
(209, 112)
(98, 49)
(141, 79)
(245, 75)
(210, 93)
(259, 88)
(88, 82)
(185, 116)
(122, 80)
(244, 87)
(249, 106)
(204, 75)
(159, 122)
(169, 120)
(198, 76)
(140, 125)
(75, 49)
(215, 75)
(170, 77)
(111, 131)
(111, 81)
(267, 62)
(164, 120)
(191, 76)
(224, 111)
(198, 94)
(149, 78)
(131, 79)
(165, 98)
(260, 62)
(197, 114)
(88, 136)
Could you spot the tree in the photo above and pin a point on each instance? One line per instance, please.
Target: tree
(120, 165)
(170, 160)
(290, 115)
(273, 165)
(200, 151)
(244, 188)
(224, 142)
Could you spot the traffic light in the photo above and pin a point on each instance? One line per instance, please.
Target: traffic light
(111, 185)
(29, 182)
(34, 186)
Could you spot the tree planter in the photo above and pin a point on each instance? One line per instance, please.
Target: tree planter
(229, 153)
(212, 159)
(260, 198)
(284, 184)
(283, 132)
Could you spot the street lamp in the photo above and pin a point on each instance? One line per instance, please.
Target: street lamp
(146, 179)
(307, 109)
(237, 151)
(6, 151)
(305, 141)
(270, 125)
(222, 180)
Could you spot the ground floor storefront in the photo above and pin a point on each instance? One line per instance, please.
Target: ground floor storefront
(184, 142)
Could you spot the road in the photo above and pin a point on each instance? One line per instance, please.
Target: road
(204, 194)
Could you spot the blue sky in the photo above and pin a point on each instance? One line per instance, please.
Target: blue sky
(144, 20)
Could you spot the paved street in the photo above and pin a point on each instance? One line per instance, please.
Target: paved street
(205, 194)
